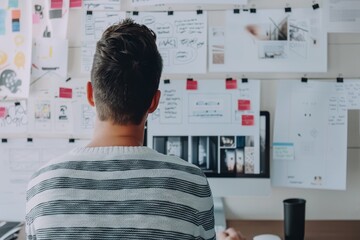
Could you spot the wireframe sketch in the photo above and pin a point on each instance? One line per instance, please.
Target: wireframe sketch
(87, 117)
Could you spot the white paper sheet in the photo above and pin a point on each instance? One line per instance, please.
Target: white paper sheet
(342, 16)
(15, 49)
(270, 41)
(312, 118)
(49, 55)
(19, 160)
(13, 118)
(109, 5)
(95, 23)
(181, 39)
(50, 20)
(194, 120)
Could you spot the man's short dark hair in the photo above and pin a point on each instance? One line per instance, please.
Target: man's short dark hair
(126, 72)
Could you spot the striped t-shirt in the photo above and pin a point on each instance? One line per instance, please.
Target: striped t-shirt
(119, 193)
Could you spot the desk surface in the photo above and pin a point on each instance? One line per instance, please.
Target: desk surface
(314, 230)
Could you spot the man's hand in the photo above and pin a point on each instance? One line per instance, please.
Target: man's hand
(230, 234)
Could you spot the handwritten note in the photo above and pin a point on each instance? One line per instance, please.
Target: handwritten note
(283, 151)
(171, 106)
(181, 39)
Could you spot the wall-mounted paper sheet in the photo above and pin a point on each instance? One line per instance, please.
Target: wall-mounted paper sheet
(270, 41)
(312, 117)
(206, 127)
(181, 39)
(20, 158)
(342, 16)
(15, 49)
(13, 118)
(108, 5)
(95, 22)
(49, 19)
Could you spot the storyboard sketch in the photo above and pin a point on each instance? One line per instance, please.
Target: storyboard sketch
(214, 126)
(20, 158)
(310, 135)
(181, 39)
(95, 21)
(13, 118)
(15, 48)
(269, 40)
(342, 16)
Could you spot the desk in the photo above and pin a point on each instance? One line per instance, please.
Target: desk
(314, 230)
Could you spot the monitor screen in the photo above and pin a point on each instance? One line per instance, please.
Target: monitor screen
(227, 160)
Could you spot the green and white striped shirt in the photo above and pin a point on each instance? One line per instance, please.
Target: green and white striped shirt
(119, 193)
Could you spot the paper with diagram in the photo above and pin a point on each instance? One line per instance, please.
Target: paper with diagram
(214, 127)
(137, 3)
(15, 48)
(310, 135)
(181, 39)
(20, 158)
(95, 20)
(269, 40)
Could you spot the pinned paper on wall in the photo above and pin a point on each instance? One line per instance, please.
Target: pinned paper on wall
(95, 23)
(310, 135)
(201, 126)
(181, 39)
(13, 118)
(15, 49)
(102, 5)
(49, 55)
(20, 158)
(342, 16)
(270, 40)
(50, 18)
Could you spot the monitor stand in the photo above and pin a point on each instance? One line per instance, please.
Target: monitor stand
(219, 214)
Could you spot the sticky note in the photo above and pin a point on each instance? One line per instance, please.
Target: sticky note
(244, 104)
(65, 93)
(56, 4)
(231, 84)
(247, 120)
(13, 3)
(191, 85)
(2, 112)
(75, 3)
(15, 14)
(283, 151)
(36, 18)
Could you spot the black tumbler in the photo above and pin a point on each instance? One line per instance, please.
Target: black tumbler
(294, 218)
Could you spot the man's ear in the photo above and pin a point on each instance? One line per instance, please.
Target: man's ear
(155, 101)
(90, 94)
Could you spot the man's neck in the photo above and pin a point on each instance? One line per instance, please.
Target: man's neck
(107, 134)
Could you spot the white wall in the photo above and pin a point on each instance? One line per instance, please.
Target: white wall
(344, 58)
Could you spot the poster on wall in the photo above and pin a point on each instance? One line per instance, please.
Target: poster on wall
(269, 40)
(181, 39)
(15, 48)
(310, 135)
(95, 23)
(214, 125)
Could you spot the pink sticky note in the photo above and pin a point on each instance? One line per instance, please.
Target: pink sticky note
(2, 112)
(65, 93)
(36, 18)
(247, 120)
(244, 105)
(56, 3)
(75, 3)
(191, 84)
(231, 84)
